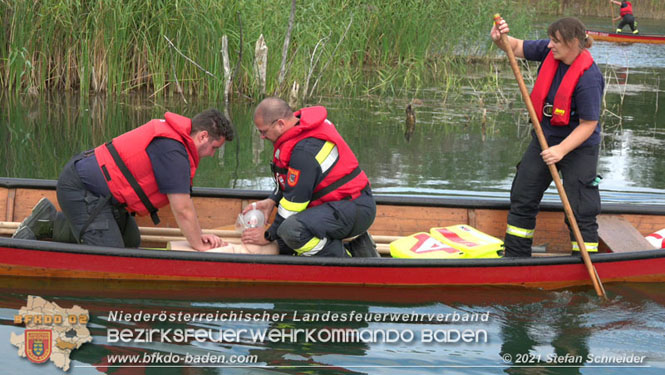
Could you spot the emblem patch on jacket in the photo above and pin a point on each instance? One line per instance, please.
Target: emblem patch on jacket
(292, 177)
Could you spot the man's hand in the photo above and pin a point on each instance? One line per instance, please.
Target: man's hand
(185, 215)
(254, 236)
(580, 134)
(497, 30)
(552, 155)
(266, 206)
(210, 241)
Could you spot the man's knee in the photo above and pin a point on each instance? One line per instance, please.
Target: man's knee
(291, 232)
(299, 238)
(62, 229)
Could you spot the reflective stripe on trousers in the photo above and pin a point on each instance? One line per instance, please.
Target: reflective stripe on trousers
(519, 232)
(312, 246)
(590, 246)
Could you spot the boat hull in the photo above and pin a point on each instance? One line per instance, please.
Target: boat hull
(396, 216)
(78, 261)
(626, 38)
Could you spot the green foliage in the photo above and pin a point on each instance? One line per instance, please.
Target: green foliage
(337, 46)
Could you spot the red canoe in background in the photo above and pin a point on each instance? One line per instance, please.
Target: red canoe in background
(626, 38)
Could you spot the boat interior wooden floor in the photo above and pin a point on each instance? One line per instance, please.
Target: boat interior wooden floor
(620, 229)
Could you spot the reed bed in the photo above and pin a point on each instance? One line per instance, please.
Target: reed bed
(336, 46)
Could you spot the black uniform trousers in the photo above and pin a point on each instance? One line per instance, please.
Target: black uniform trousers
(92, 219)
(578, 170)
(629, 20)
(331, 221)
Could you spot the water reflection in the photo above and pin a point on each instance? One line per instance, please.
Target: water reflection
(556, 338)
(545, 324)
(466, 141)
(636, 55)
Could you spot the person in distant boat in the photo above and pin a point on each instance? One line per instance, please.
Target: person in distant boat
(322, 195)
(567, 98)
(626, 16)
(138, 172)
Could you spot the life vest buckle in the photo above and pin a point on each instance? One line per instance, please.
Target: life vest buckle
(547, 110)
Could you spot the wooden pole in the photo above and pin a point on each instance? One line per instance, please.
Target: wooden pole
(598, 286)
(153, 231)
(177, 232)
(155, 234)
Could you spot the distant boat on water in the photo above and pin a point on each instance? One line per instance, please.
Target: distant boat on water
(626, 37)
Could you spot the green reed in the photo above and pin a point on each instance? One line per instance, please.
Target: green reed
(337, 46)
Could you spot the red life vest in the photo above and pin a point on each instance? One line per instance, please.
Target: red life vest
(628, 9)
(564, 94)
(314, 124)
(131, 147)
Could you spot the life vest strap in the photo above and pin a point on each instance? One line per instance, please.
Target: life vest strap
(133, 183)
(275, 169)
(335, 185)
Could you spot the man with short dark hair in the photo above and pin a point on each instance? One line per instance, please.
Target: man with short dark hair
(322, 195)
(139, 172)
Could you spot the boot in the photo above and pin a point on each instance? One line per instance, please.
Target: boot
(618, 31)
(363, 246)
(39, 224)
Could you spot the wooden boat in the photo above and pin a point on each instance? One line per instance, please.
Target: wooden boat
(626, 37)
(624, 254)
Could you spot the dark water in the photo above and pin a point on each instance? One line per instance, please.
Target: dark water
(466, 142)
(515, 331)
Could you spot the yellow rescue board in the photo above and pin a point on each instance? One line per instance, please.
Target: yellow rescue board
(423, 245)
(452, 242)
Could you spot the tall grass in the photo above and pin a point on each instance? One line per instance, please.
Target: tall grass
(119, 46)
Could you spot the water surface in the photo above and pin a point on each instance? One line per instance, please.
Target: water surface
(466, 142)
(519, 330)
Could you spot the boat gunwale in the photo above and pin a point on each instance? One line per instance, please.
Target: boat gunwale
(382, 199)
(282, 260)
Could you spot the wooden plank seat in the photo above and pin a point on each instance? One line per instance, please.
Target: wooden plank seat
(619, 235)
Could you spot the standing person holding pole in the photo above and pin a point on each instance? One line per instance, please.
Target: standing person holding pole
(567, 101)
(626, 16)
